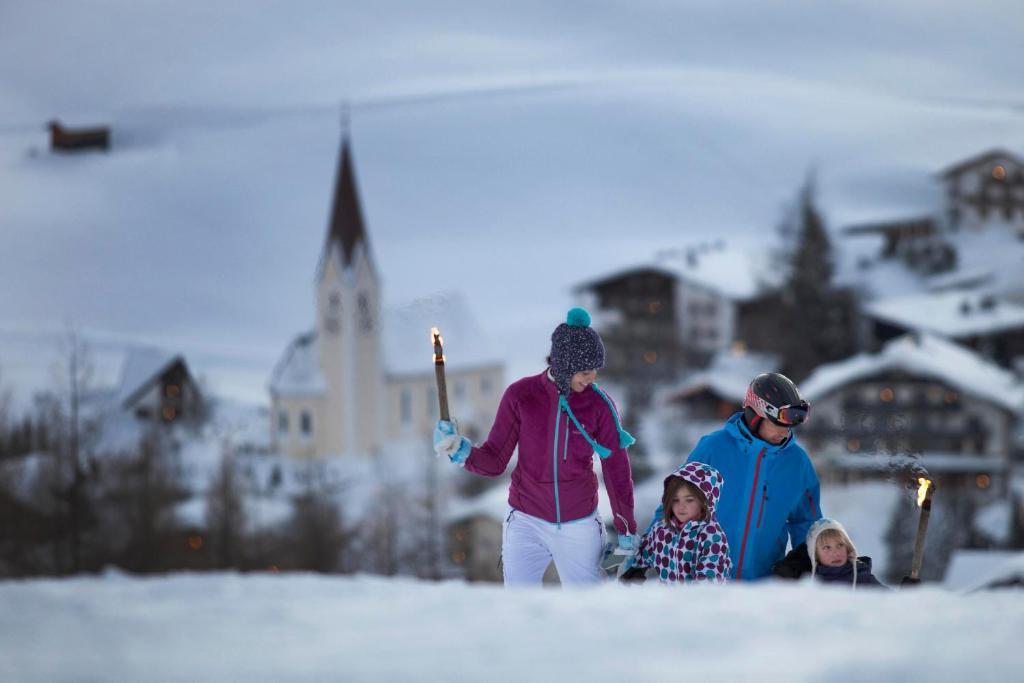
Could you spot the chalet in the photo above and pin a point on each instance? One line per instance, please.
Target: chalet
(705, 399)
(636, 311)
(362, 376)
(156, 386)
(713, 394)
(696, 302)
(985, 191)
(920, 400)
(988, 188)
(78, 139)
(989, 325)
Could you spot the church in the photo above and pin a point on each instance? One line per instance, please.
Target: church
(363, 377)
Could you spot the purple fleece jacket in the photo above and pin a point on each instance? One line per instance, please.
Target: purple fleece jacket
(556, 481)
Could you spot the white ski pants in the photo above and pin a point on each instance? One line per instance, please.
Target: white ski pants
(529, 544)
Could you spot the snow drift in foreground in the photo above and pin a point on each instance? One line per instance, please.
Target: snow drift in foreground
(228, 627)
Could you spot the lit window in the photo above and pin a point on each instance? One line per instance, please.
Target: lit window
(650, 357)
(983, 481)
(886, 395)
(999, 172)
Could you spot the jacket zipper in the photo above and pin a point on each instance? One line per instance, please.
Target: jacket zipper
(565, 448)
(554, 457)
(750, 511)
(764, 497)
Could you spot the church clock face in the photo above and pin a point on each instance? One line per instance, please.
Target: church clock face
(332, 322)
(365, 314)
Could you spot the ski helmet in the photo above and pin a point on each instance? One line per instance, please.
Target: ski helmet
(773, 396)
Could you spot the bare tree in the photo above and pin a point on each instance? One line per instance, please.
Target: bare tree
(225, 513)
(70, 435)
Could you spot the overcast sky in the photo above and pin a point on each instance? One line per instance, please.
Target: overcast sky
(506, 150)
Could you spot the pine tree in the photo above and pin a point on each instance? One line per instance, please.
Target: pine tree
(816, 318)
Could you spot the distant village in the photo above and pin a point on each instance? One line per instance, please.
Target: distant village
(906, 335)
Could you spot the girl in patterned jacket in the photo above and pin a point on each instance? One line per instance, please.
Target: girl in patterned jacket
(687, 543)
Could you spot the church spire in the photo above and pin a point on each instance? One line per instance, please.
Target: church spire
(346, 226)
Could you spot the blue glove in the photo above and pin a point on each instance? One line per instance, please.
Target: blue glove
(627, 545)
(448, 442)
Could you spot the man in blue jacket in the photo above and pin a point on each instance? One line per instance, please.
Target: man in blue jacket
(771, 492)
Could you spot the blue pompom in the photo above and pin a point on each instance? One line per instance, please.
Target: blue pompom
(578, 317)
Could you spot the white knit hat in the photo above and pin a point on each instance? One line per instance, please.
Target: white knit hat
(824, 524)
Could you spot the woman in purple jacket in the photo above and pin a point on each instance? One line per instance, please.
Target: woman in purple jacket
(558, 419)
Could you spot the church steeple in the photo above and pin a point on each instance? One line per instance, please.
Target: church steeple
(346, 226)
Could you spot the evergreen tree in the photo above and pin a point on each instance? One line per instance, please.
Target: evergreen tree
(816, 321)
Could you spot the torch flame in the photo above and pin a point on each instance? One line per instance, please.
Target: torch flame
(922, 490)
(438, 342)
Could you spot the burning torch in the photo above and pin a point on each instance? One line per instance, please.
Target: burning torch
(442, 389)
(925, 489)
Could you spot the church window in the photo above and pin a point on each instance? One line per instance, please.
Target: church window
(365, 314)
(306, 423)
(282, 421)
(485, 386)
(333, 321)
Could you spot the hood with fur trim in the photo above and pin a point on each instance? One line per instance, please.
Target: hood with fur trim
(816, 530)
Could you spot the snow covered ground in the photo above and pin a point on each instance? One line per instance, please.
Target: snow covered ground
(226, 627)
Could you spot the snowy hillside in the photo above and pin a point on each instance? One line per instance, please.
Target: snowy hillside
(312, 628)
(489, 143)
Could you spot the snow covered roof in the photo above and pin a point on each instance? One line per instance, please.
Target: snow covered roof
(927, 355)
(635, 269)
(298, 371)
(983, 158)
(728, 375)
(732, 271)
(954, 314)
(142, 366)
(407, 345)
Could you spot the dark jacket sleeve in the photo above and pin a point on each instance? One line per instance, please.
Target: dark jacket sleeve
(794, 565)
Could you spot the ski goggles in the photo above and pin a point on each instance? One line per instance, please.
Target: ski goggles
(788, 416)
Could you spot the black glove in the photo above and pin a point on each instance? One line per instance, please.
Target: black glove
(794, 565)
(634, 575)
(908, 581)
